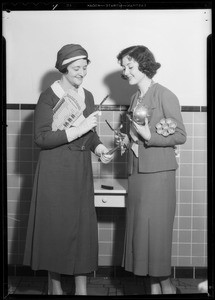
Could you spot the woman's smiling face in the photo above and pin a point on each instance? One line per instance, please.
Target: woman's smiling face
(131, 71)
(77, 70)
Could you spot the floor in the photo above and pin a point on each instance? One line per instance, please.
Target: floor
(104, 286)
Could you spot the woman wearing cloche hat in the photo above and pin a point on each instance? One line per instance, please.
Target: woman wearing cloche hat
(62, 235)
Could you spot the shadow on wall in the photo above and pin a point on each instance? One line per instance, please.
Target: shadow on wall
(111, 253)
(119, 89)
(49, 78)
(24, 169)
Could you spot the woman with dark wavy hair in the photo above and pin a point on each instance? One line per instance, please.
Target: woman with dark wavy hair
(156, 127)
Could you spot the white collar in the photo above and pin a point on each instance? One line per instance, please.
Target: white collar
(58, 90)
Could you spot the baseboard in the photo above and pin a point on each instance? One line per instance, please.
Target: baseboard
(113, 271)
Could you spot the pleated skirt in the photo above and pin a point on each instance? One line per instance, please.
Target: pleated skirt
(149, 222)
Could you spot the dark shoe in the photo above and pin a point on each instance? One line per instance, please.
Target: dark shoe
(178, 291)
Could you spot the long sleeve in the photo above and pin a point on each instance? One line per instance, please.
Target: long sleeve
(44, 137)
(171, 109)
(158, 153)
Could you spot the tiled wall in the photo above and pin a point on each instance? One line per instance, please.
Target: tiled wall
(190, 226)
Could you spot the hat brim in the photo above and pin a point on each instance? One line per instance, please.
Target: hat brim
(66, 61)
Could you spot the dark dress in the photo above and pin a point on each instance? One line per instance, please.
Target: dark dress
(62, 233)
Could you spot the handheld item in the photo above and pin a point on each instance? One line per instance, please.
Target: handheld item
(120, 136)
(139, 114)
(98, 108)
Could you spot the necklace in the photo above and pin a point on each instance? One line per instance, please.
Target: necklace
(140, 99)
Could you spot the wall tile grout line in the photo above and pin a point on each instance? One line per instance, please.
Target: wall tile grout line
(115, 107)
(190, 178)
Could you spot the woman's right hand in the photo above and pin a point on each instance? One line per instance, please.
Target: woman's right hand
(89, 123)
(143, 130)
(123, 141)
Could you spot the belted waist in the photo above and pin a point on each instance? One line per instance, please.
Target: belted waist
(78, 148)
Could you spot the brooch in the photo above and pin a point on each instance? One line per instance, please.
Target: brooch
(166, 127)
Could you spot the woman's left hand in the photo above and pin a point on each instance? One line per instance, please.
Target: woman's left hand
(143, 130)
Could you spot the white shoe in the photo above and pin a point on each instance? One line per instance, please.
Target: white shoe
(203, 286)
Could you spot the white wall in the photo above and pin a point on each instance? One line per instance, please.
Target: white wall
(176, 37)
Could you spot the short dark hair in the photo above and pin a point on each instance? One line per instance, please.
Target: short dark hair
(144, 57)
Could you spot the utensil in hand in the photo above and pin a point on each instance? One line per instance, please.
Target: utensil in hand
(98, 107)
(120, 137)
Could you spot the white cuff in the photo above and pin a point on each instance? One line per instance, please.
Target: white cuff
(72, 134)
